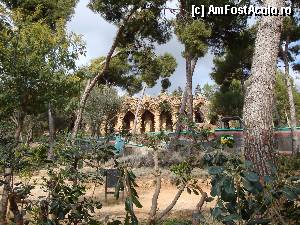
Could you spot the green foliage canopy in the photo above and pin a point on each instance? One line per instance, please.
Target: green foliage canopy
(131, 14)
(48, 10)
(36, 65)
(130, 69)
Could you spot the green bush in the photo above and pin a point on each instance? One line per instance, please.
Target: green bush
(177, 222)
(244, 197)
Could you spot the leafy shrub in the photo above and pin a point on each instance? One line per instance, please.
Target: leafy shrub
(242, 196)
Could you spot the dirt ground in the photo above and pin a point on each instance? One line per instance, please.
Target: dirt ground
(184, 207)
(113, 209)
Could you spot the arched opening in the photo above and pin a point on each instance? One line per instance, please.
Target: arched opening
(199, 117)
(166, 122)
(147, 122)
(128, 121)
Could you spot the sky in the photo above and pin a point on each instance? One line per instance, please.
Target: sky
(98, 36)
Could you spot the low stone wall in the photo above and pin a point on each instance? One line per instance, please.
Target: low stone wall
(282, 138)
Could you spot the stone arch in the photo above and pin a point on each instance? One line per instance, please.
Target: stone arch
(166, 122)
(199, 116)
(128, 121)
(147, 122)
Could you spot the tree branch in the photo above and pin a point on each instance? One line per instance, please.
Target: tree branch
(153, 210)
(172, 204)
(94, 81)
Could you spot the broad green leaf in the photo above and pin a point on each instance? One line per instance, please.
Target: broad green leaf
(251, 176)
(215, 170)
(289, 194)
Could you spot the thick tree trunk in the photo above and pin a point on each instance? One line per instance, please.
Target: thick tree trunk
(293, 121)
(19, 125)
(190, 68)
(29, 132)
(51, 132)
(187, 98)
(259, 96)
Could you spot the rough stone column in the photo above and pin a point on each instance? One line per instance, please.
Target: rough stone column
(119, 123)
(174, 119)
(139, 124)
(157, 125)
(194, 115)
(102, 129)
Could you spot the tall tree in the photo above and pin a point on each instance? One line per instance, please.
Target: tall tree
(128, 16)
(230, 71)
(258, 107)
(34, 61)
(289, 48)
(194, 35)
(200, 34)
(282, 103)
(227, 101)
(50, 12)
(235, 62)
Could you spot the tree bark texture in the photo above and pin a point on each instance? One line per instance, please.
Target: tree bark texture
(259, 96)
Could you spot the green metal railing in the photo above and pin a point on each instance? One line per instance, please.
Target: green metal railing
(241, 129)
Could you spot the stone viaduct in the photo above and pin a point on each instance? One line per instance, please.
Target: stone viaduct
(158, 113)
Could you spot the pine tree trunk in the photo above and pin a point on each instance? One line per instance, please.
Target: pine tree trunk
(259, 96)
(189, 83)
(92, 82)
(181, 112)
(293, 123)
(51, 131)
(89, 87)
(187, 98)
